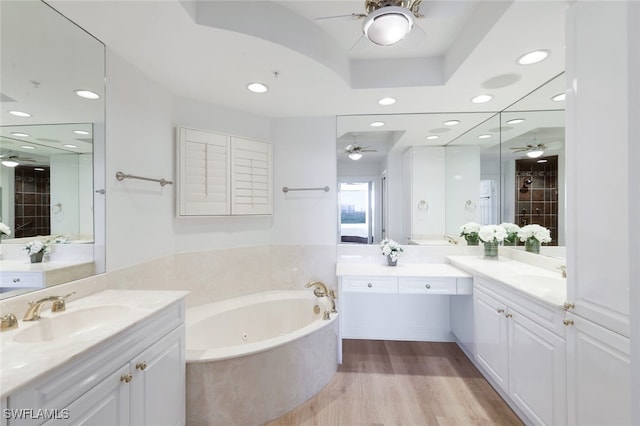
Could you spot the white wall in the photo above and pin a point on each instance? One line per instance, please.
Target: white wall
(462, 184)
(65, 202)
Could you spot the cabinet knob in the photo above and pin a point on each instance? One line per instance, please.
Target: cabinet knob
(369, 285)
(500, 311)
(427, 286)
(16, 280)
(567, 321)
(126, 378)
(141, 365)
(568, 306)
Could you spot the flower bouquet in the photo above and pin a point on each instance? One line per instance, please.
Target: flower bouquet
(533, 235)
(36, 250)
(470, 233)
(491, 236)
(391, 249)
(512, 233)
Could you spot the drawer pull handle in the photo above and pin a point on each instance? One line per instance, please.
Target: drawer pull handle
(500, 311)
(369, 285)
(567, 321)
(16, 280)
(508, 315)
(568, 306)
(427, 286)
(126, 378)
(141, 365)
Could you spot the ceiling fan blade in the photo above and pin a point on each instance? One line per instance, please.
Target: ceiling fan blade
(352, 15)
(519, 149)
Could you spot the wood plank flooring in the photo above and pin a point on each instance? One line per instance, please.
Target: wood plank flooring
(403, 383)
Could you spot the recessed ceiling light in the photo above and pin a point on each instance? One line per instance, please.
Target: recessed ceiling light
(559, 97)
(20, 134)
(81, 132)
(10, 163)
(533, 57)
(377, 124)
(515, 121)
(387, 25)
(485, 136)
(68, 145)
(535, 153)
(87, 94)
(432, 137)
(257, 87)
(451, 122)
(542, 161)
(355, 156)
(481, 99)
(28, 147)
(39, 169)
(387, 101)
(20, 113)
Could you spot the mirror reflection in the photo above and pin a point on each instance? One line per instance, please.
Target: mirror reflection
(51, 138)
(419, 177)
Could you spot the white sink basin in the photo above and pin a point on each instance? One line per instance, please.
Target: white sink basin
(538, 280)
(67, 324)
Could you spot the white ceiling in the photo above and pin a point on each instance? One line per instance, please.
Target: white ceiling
(210, 50)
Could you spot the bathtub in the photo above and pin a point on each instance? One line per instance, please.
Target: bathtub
(251, 359)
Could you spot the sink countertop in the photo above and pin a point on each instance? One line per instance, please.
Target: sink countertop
(401, 270)
(21, 363)
(550, 288)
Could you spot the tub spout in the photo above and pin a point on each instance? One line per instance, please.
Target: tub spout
(321, 290)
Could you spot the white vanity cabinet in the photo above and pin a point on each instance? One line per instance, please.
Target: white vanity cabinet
(599, 374)
(520, 345)
(135, 378)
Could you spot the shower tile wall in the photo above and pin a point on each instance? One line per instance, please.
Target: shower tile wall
(32, 202)
(537, 202)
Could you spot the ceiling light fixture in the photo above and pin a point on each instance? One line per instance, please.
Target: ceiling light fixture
(433, 137)
(451, 122)
(559, 97)
(38, 169)
(87, 94)
(485, 136)
(355, 156)
(377, 124)
(542, 161)
(481, 99)
(28, 147)
(68, 145)
(20, 113)
(535, 153)
(21, 135)
(515, 121)
(81, 132)
(257, 87)
(387, 25)
(387, 101)
(533, 57)
(10, 163)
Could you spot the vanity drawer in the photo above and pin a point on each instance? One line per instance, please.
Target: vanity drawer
(22, 279)
(427, 285)
(370, 284)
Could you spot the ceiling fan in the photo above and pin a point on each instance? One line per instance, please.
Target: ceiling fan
(531, 150)
(11, 160)
(355, 151)
(386, 22)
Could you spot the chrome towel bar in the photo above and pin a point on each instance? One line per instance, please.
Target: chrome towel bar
(287, 189)
(121, 176)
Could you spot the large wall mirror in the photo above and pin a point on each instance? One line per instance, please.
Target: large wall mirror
(51, 146)
(419, 177)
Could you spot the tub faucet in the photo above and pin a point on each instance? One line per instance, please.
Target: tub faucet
(321, 290)
(563, 270)
(58, 305)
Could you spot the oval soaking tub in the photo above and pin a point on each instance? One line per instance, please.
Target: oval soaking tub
(252, 358)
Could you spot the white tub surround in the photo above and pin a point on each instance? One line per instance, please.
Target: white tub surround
(251, 359)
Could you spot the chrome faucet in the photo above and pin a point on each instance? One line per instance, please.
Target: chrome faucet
(321, 290)
(563, 270)
(58, 305)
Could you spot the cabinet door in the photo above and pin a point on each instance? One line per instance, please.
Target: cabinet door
(203, 169)
(599, 375)
(251, 181)
(107, 403)
(537, 371)
(491, 337)
(158, 385)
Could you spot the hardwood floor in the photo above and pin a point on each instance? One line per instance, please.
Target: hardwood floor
(403, 383)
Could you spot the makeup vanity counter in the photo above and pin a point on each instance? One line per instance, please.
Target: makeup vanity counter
(87, 355)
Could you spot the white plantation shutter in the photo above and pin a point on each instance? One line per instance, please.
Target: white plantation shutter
(251, 182)
(203, 164)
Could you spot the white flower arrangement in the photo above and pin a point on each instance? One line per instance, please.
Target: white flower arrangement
(492, 233)
(534, 232)
(470, 232)
(37, 246)
(4, 230)
(512, 232)
(391, 248)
